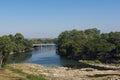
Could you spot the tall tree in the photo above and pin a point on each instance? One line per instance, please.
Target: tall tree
(6, 46)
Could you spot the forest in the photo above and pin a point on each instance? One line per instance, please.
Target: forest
(11, 44)
(89, 44)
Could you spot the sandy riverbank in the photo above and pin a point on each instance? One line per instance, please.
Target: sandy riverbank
(64, 73)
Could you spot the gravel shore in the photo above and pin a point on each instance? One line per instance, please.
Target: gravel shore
(64, 73)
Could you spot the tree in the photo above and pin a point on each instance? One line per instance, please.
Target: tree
(89, 44)
(5, 48)
(14, 44)
(19, 37)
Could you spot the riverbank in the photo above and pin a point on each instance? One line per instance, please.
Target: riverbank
(97, 63)
(10, 73)
(64, 73)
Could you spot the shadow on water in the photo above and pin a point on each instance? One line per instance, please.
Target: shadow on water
(19, 58)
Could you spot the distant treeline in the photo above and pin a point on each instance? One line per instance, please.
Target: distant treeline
(89, 44)
(13, 44)
(43, 41)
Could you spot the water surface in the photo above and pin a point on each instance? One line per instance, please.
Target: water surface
(44, 56)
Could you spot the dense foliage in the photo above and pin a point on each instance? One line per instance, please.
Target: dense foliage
(13, 44)
(89, 44)
(44, 41)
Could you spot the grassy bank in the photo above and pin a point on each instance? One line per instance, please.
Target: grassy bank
(28, 71)
(10, 73)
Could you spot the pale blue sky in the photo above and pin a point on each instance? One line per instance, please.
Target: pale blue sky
(48, 18)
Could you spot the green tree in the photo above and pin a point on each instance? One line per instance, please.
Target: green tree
(14, 44)
(89, 44)
(5, 48)
(19, 37)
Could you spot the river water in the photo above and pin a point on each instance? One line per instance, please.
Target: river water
(44, 56)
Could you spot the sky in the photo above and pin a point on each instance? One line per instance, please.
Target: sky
(48, 18)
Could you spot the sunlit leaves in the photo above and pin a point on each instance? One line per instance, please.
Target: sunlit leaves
(89, 44)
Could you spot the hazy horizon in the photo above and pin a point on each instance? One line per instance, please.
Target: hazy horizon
(48, 18)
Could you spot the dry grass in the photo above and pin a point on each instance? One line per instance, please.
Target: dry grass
(10, 73)
(63, 73)
(7, 74)
(27, 71)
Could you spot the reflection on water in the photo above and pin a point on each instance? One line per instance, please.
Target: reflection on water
(47, 56)
(42, 55)
(18, 58)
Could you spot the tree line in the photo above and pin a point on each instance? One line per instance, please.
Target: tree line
(13, 44)
(43, 40)
(89, 44)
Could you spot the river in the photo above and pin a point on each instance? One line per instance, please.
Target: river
(45, 55)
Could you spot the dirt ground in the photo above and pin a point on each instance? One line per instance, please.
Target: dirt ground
(64, 73)
(7, 74)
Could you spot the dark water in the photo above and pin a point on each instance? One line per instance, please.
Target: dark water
(44, 56)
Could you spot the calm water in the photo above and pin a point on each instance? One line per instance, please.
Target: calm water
(47, 56)
(43, 55)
